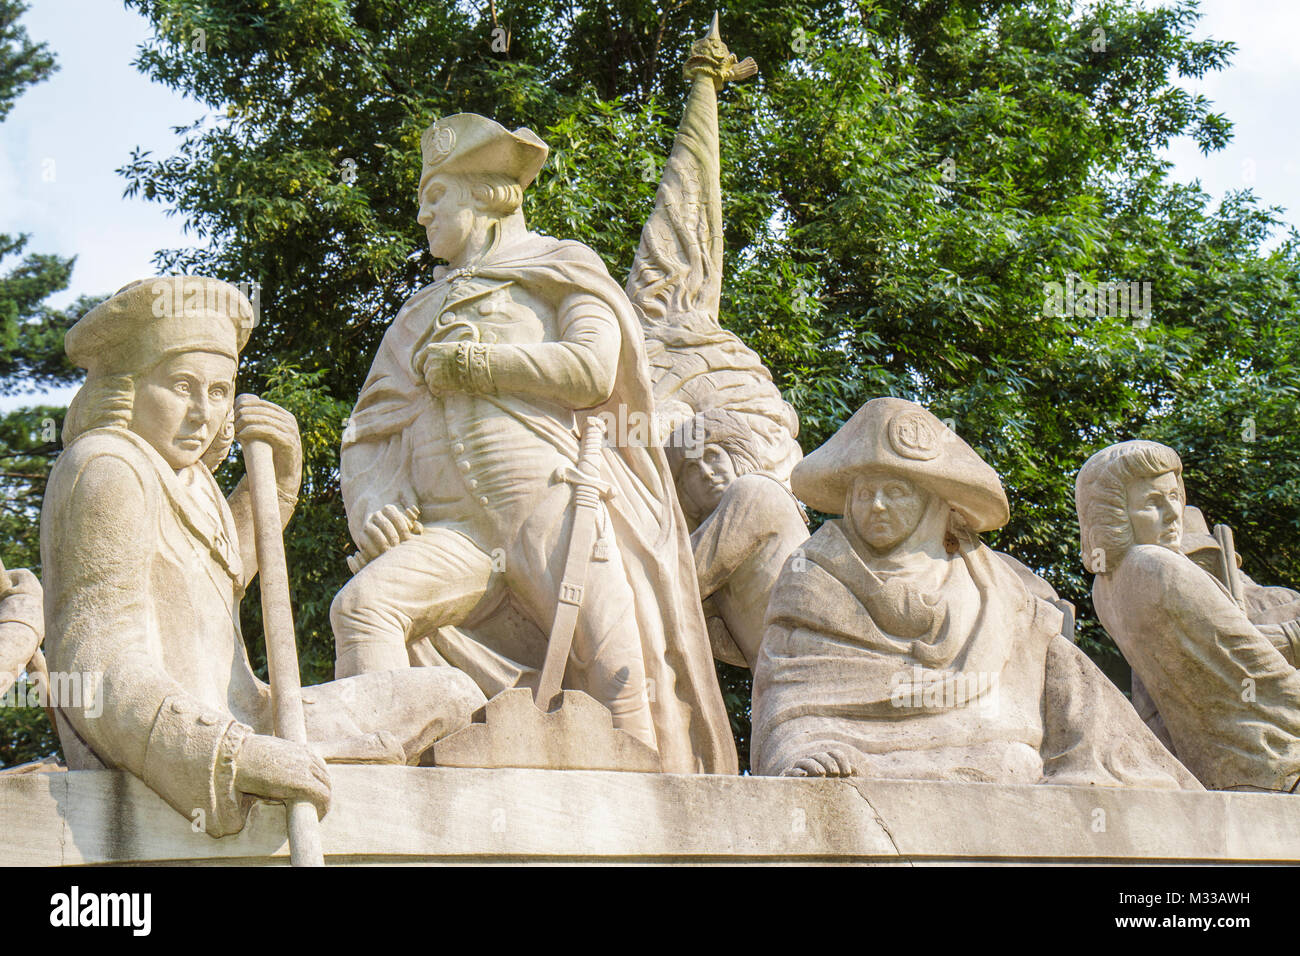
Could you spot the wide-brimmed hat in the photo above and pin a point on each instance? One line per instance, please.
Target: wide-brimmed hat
(151, 318)
(905, 439)
(469, 143)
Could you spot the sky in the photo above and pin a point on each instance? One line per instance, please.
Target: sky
(65, 138)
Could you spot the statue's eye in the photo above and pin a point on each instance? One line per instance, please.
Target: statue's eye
(182, 386)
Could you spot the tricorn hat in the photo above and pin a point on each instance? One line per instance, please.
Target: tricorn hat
(469, 143)
(901, 437)
(150, 318)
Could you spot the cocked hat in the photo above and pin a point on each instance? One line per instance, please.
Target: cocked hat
(151, 318)
(469, 143)
(903, 438)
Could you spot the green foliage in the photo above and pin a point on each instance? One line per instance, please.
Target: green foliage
(28, 444)
(26, 733)
(31, 356)
(22, 62)
(31, 334)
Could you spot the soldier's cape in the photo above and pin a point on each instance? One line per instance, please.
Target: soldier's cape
(831, 673)
(644, 511)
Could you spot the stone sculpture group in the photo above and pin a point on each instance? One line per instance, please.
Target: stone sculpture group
(509, 546)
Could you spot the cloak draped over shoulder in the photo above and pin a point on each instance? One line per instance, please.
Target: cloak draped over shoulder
(649, 528)
(997, 694)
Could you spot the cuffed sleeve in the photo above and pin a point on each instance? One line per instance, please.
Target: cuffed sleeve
(577, 371)
(22, 625)
(190, 759)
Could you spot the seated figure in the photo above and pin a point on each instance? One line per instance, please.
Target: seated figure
(458, 471)
(146, 561)
(1274, 610)
(22, 625)
(744, 524)
(1223, 678)
(902, 646)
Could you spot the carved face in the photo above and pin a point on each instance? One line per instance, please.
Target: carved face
(181, 404)
(447, 213)
(885, 509)
(1155, 510)
(704, 479)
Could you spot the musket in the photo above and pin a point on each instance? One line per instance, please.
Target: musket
(588, 490)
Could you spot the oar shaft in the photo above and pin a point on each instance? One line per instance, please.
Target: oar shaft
(281, 643)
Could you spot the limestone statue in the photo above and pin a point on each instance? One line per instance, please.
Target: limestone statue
(145, 563)
(717, 409)
(22, 623)
(746, 523)
(1274, 610)
(899, 645)
(1222, 675)
(458, 460)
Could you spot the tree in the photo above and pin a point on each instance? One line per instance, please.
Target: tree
(31, 356)
(22, 62)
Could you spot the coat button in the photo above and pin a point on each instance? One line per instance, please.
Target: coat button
(473, 482)
(460, 447)
(483, 500)
(464, 465)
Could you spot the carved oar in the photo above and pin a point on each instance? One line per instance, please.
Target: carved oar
(281, 644)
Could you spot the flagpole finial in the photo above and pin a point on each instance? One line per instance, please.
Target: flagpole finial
(710, 57)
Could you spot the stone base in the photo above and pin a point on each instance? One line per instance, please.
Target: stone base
(579, 734)
(449, 815)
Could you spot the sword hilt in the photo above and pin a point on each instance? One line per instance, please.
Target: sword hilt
(593, 437)
(588, 486)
